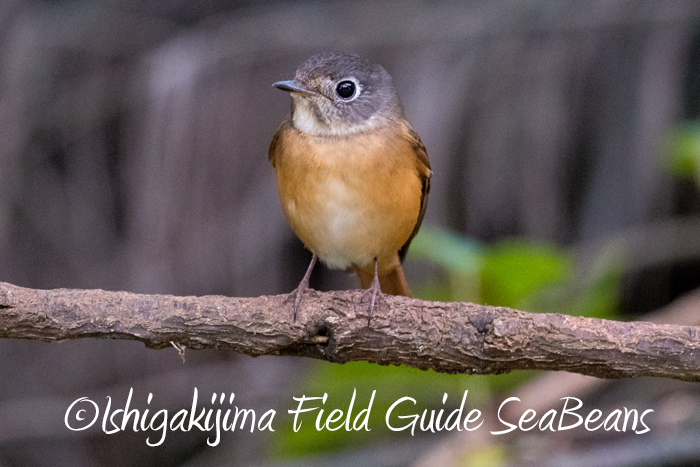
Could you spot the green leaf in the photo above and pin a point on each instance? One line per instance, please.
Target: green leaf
(684, 150)
(447, 249)
(514, 269)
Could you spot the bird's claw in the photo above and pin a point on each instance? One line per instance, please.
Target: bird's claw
(302, 287)
(297, 293)
(375, 292)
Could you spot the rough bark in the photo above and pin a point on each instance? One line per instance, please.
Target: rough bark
(445, 337)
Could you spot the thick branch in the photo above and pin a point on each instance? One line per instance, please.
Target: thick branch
(447, 337)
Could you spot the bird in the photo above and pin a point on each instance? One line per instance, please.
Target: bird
(353, 176)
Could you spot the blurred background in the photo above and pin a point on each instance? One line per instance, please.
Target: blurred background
(565, 146)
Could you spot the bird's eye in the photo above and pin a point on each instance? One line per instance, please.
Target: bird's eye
(345, 89)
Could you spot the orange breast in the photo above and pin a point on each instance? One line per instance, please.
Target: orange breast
(349, 199)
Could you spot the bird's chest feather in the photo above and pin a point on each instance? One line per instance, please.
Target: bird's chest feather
(349, 199)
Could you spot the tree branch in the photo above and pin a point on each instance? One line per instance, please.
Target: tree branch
(447, 337)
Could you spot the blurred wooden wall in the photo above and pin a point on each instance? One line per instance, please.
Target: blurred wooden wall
(134, 145)
(134, 136)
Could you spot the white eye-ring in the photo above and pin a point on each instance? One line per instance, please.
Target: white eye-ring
(348, 89)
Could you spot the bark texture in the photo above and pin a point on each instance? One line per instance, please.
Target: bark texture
(445, 337)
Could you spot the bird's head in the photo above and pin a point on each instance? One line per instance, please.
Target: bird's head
(337, 94)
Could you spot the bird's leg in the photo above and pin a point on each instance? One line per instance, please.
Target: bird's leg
(302, 287)
(375, 290)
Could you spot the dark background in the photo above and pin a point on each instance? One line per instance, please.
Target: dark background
(133, 156)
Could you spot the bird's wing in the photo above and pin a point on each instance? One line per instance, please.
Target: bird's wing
(424, 172)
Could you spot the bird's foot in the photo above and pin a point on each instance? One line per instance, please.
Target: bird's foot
(376, 296)
(297, 293)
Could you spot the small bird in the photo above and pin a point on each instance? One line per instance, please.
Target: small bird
(353, 176)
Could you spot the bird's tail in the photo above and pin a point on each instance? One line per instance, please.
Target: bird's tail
(391, 281)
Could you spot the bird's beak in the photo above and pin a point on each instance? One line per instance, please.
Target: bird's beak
(290, 86)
